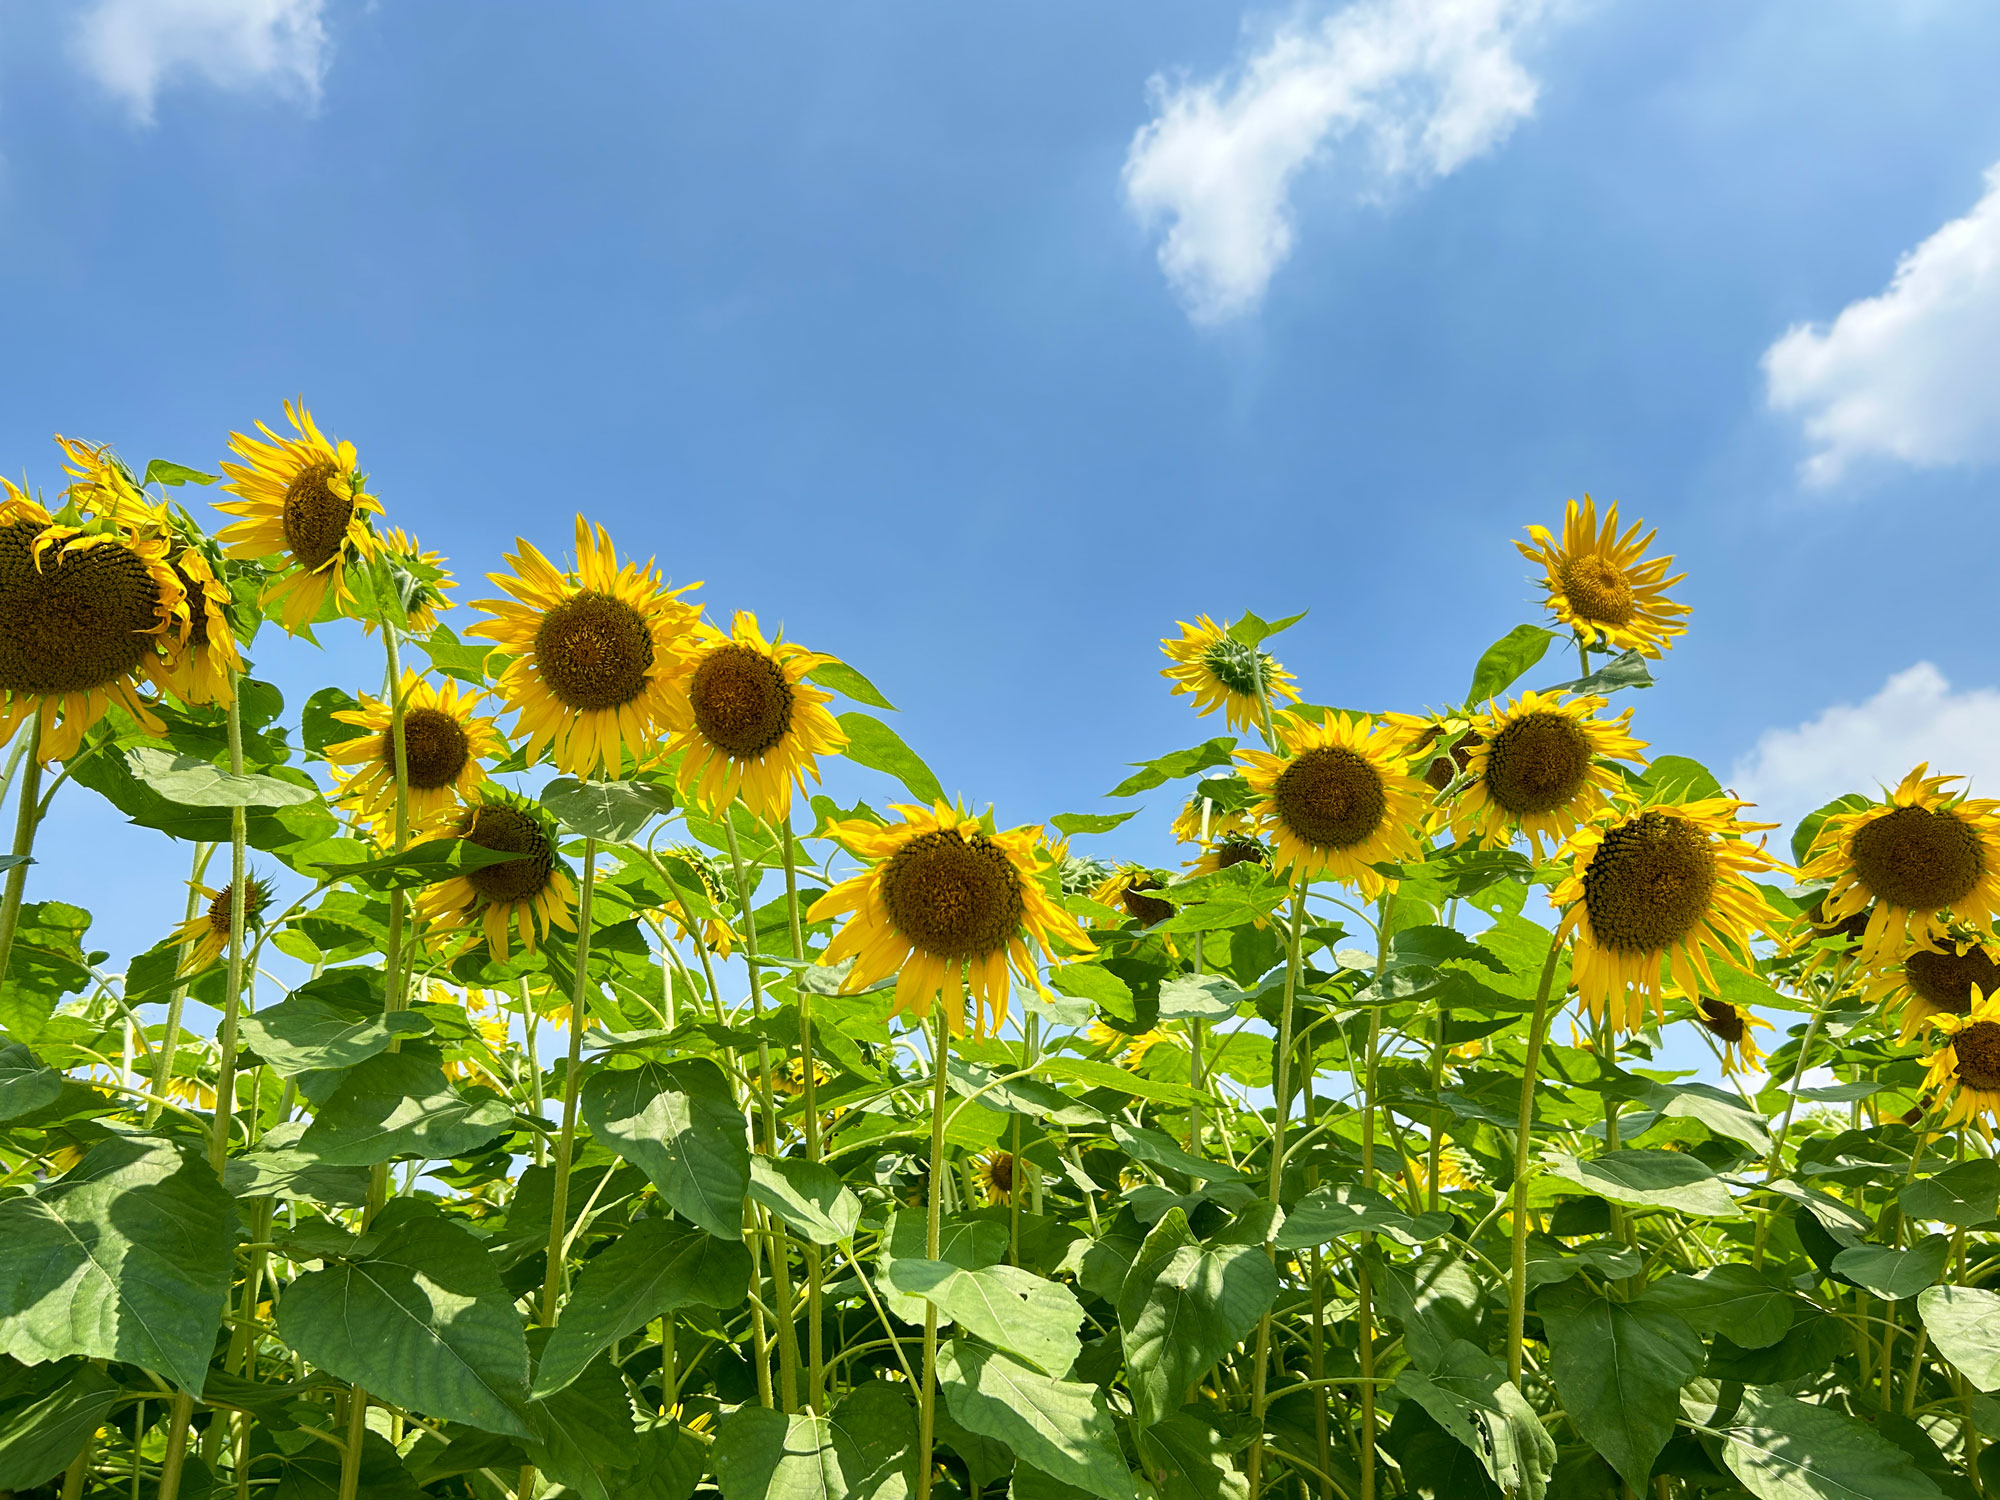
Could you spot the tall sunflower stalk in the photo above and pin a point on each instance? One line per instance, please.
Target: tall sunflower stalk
(27, 818)
(1538, 1030)
(809, 1088)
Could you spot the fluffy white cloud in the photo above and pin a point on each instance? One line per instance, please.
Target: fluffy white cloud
(1414, 88)
(1859, 747)
(132, 47)
(1912, 374)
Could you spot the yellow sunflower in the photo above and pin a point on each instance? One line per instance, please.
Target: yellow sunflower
(1734, 1027)
(1339, 801)
(998, 1175)
(1227, 852)
(1221, 824)
(198, 660)
(594, 652)
(444, 743)
(1918, 855)
(1132, 1046)
(1660, 887)
(1824, 943)
(422, 578)
(1454, 1175)
(1968, 1064)
(947, 907)
(1535, 768)
(1124, 889)
(206, 935)
(1449, 739)
(103, 486)
(303, 498)
(1218, 671)
(790, 1080)
(752, 726)
(1603, 586)
(716, 933)
(80, 612)
(1929, 982)
(524, 896)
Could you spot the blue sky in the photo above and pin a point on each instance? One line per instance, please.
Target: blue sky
(858, 314)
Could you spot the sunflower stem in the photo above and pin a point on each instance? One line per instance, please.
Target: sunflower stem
(933, 1237)
(1776, 1158)
(579, 1009)
(27, 817)
(1538, 1026)
(1281, 1105)
(170, 1041)
(815, 1334)
(232, 1001)
(1364, 1281)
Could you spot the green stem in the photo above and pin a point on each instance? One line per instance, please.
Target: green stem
(815, 1333)
(1364, 1281)
(1538, 1025)
(933, 1236)
(1776, 1158)
(1281, 1102)
(27, 817)
(232, 1002)
(163, 1061)
(579, 1012)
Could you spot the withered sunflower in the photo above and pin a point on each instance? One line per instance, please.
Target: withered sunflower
(750, 724)
(715, 932)
(1340, 801)
(1929, 982)
(1660, 888)
(1603, 586)
(1967, 1067)
(1920, 855)
(946, 906)
(198, 660)
(1734, 1026)
(445, 741)
(521, 897)
(594, 652)
(103, 486)
(303, 499)
(1125, 890)
(1534, 768)
(206, 935)
(1219, 671)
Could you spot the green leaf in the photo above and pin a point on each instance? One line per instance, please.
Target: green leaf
(421, 864)
(1123, 1080)
(1199, 997)
(1626, 670)
(585, 1440)
(843, 679)
(1090, 982)
(1076, 823)
(1017, 1096)
(1503, 662)
(761, 1454)
(45, 964)
(399, 1104)
(190, 781)
(453, 658)
(1467, 1393)
(1964, 1323)
(1028, 1316)
(1809, 825)
(163, 471)
(1962, 1196)
(1754, 1308)
(1152, 773)
(126, 1256)
(1182, 1307)
(810, 1198)
(1618, 1368)
(25, 1086)
(611, 811)
(302, 1035)
(38, 1438)
(1061, 1427)
(1188, 1460)
(1723, 1113)
(679, 1124)
(423, 1320)
(1780, 1448)
(1892, 1274)
(969, 1245)
(1649, 1179)
(873, 744)
(1157, 1149)
(875, 1434)
(1251, 630)
(1330, 1213)
(1675, 778)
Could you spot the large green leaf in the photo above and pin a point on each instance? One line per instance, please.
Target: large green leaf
(969, 1245)
(1182, 1307)
(1891, 1273)
(39, 1437)
(761, 1454)
(873, 744)
(1754, 1308)
(1618, 1368)
(679, 1124)
(1503, 662)
(1152, 773)
(875, 1434)
(399, 1104)
(651, 1269)
(1157, 1149)
(1962, 1195)
(1330, 1213)
(843, 679)
(1964, 1323)
(1187, 1459)
(1061, 1427)
(125, 1257)
(1467, 1393)
(1781, 1448)
(584, 1435)
(1649, 1179)
(613, 811)
(25, 1085)
(422, 1318)
(303, 1035)
(1019, 1311)
(190, 781)
(810, 1198)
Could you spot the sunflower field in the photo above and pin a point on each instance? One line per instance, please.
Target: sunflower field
(551, 1091)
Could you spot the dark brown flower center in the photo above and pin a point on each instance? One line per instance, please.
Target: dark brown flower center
(953, 897)
(1441, 770)
(80, 621)
(1147, 909)
(197, 605)
(1597, 590)
(594, 651)
(316, 516)
(1945, 981)
(1537, 763)
(435, 748)
(510, 831)
(1000, 1172)
(1723, 1019)
(1852, 928)
(256, 895)
(741, 700)
(1236, 852)
(1976, 1051)
(1331, 797)
(1922, 858)
(1649, 884)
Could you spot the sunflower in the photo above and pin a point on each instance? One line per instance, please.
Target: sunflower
(1340, 801)
(198, 660)
(103, 486)
(1125, 890)
(1132, 1046)
(1660, 887)
(1918, 855)
(1929, 982)
(1230, 851)
(594, 652)
(1453, 1174)
(1449, 739)
(1535, 768)
(1603, 586)
(716, 933)
(526, 895)
(749, 721)
(998, 1174)
(790, 1080)
(1823, 943)
(303, 498)
(1219, 671)
(79, 614)
(444, 741)
(206, 935)
(1732, 1026)
(947, 906)
(1196, 825)
(420, 578)
(1969, 1062)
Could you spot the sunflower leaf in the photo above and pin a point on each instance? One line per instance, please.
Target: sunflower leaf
(165, 471)
(1502, 663)
(1152, 773)
(190, 781)
(843, 679)
(1624, 671)
(1076, 823)
(611, 811)
(873, 744)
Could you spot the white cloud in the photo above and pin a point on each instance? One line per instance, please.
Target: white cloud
(132, 47)
(1912, 374)
(1416, 87)
(1917, 716)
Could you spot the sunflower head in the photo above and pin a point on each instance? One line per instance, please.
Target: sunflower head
(1125, 890)
(1537, 768)
(1338, 800)
(1965, 1070)
(198, 659)
(1601, 584)
(1131, 1047)
(1219, 671)
(999, 1173)
(523, 896)
(1231, 851)
(1941, 981)
(205, 937)
(716, 932)
(1734, 1028)
(445, 744)
(418, 580)
(101, 485)
(1202, 822)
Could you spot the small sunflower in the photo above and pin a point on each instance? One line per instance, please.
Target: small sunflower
(420, 577)
(1448, 739)
(1125, 890)
(1968, 1064)
(102, 485)
(716, 933)
(1339, 801)
(198, 661)
(1824, 943)
(1535, 768)
(1660, 887)
(752, 726)
(1929, 982)
(1132, 1046)
(1454, 1175)
(1219, 671)
(999, 1173)
(206, 935)
(1733, 1026)
(1190, 828)
(1917, 855)
(300, 497)
(1227, 852)
(444, 743)
(594, 652)
(524, 896)
(790, 1080)
(946, 906)
(1603, 586)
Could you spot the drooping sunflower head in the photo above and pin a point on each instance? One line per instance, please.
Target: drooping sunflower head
(523, 896)
(1130, 1047)
(1602, 585)
(1125, 890)
(716, 933)
(101, 485)
(1202, 822)
(946, 905)
(1734, 1028)
(1654, 892)
(1940, 981)
(1339, 800)
(1536, 768)
(302, 500)
(420, 579)
(205, 937)
(595, 652)
(1915, 860)
(1966, 1069)
(198, 659)
(445, 743)
(750, 724)
(1219, 671)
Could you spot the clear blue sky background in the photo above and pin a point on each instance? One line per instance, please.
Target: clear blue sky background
(842, 309)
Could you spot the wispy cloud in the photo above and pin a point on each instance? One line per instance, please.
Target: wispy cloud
(1410, 89)
(1912, 374)
(134, 47)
